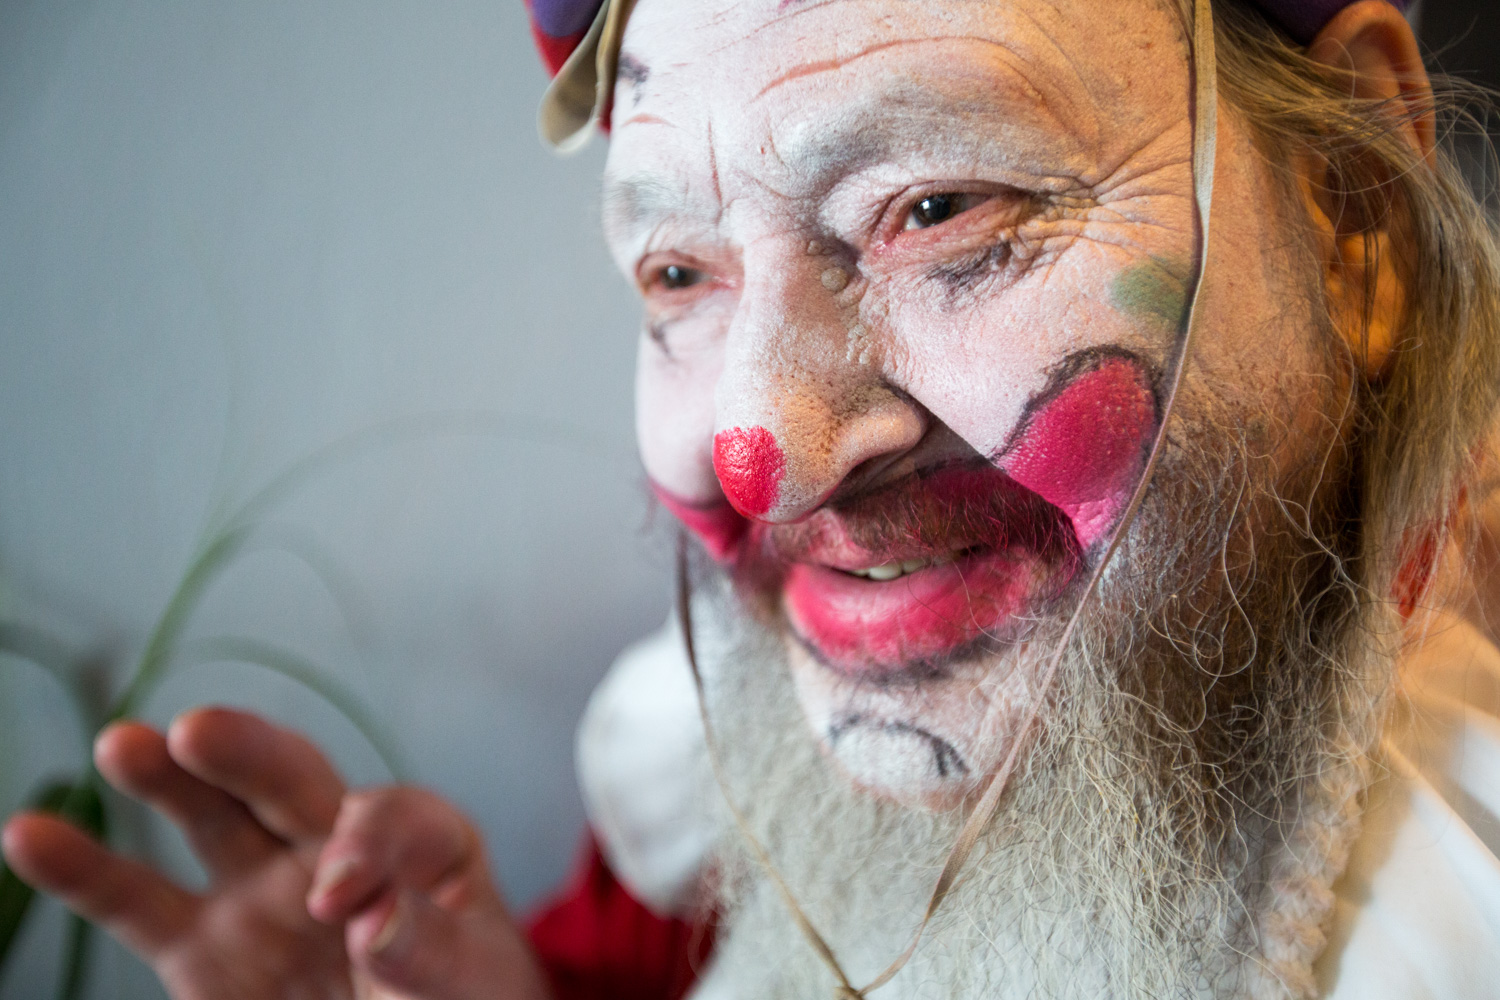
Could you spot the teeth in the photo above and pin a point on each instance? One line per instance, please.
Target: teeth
(894, 570)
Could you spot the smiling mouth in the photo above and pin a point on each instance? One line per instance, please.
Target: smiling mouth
(963, 560)
(896, 585)
(911, 619)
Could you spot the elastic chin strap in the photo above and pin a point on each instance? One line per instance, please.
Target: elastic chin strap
(1205, 142)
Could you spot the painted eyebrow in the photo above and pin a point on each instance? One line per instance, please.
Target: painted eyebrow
(635, 203)
(973, 121)
(632, 70)
(978, 120)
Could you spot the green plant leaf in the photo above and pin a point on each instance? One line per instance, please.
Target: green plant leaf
(303, 546)
(494, 424)
(227, 541)
(80, 804)
(75, 963)
(83, 806)
(237, 649)
(38, 647)
(16, 898)
(52, 657)
(204, 570)
(15, 902)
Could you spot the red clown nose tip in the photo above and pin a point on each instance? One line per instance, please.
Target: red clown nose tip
(749, 464)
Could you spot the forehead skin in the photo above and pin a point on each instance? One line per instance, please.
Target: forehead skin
(792, 97)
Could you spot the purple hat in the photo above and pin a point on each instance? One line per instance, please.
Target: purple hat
(1303, 19)
(558, 26)
(580, 43)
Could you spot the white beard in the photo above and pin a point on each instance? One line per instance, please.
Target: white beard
(1113, 868)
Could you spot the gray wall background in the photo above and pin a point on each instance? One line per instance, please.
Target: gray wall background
(232, 233)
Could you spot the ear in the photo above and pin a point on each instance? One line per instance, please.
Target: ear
(1372, 46)
(1372, 43)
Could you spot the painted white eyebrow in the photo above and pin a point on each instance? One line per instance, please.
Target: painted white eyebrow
(976, 122)
(979, 122)
(636, 203)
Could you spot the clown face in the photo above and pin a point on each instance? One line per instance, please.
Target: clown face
(912, 276)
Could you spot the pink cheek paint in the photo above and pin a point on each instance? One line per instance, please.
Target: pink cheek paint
(718, 526)
(1082, 450)
(749, 464)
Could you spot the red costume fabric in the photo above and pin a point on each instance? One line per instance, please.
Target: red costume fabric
(557, 26)
(597, 942)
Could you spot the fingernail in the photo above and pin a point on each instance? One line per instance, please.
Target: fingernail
(331, 876)
(389, 930)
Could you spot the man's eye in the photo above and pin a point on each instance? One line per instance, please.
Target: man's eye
(938, 208)
(676, 276)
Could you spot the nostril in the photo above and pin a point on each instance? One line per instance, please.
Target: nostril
(749, 464)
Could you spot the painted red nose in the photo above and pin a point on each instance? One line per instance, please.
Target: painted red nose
(749, 464)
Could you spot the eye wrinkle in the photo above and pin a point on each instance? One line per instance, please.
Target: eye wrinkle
(964, 275)
(657, 330)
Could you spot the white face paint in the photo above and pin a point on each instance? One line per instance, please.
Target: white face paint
(912, 272)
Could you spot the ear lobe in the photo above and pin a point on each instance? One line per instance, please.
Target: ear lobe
(1372, 43)
(1366, 296)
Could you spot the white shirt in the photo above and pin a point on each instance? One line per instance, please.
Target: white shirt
(1418, 911)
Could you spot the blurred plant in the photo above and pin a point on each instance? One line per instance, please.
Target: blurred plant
(78, 799)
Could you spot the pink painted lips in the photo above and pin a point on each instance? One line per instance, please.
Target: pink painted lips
(952, 607)
(952, 561)
(904, 581)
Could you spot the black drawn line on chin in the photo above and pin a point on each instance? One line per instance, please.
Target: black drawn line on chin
(945, 755)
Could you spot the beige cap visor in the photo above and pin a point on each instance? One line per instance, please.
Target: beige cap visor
(580, 92)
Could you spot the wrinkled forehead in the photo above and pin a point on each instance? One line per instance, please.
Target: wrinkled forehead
(801, 86)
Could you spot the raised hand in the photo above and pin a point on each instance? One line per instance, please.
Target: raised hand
(258, 804)
(407, 872)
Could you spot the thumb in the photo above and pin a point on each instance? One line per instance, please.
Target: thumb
(408, 944)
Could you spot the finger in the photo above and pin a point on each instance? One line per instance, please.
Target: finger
(134, 903)
(221, 830)
(280, 776)
(398, 837)
(409, 945)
